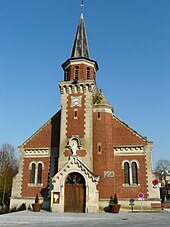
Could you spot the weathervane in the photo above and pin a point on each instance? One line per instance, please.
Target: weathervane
(82, 6)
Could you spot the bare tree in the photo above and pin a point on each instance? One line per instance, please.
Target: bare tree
(8, 169)
(163, 168)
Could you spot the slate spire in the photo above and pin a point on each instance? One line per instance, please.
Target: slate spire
(80, 46)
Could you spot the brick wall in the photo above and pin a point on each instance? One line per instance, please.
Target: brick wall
(82, 71)
(130, 191)
(124, 135)
(103, 159)
(75, 126)
(80, 153)
(47, 136)
(30, 191)
(108, 132)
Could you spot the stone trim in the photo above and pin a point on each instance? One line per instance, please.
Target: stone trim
(133, 150)
(153, 193)
(45, 152)
(82, 86)
(130, 162)
(17, 179)
(130, 172)
(109, 174)
(75, 161)
(130, 185)
(36, 163)
(102, 109)
(74, 164)
(81, 61)
(79, 98)
(36, 185)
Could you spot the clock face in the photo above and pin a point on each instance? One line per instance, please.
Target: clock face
(76, 101)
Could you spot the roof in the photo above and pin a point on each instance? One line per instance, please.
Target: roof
(124, 135)
(80, 46)
(46, 136)
(49, 134)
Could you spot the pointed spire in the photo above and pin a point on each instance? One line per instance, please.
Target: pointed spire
(80, 46)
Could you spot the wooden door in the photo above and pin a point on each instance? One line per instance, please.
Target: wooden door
(74, 196)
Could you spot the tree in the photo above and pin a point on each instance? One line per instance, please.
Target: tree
(8, 169)
(163, 168)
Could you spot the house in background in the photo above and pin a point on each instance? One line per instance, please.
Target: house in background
(84, 153)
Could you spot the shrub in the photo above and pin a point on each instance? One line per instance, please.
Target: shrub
(115, 200)
(36, 198)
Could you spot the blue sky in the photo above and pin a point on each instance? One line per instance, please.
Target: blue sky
(130, 40)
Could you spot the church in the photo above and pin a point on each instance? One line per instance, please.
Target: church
(84, 153)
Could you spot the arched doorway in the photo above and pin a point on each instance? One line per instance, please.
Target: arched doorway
(74, 193)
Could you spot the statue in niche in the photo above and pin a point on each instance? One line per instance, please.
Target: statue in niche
(74, 149)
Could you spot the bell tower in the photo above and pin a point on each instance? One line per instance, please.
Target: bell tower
(77, 94)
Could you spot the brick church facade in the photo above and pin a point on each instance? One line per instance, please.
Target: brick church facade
(84, 153)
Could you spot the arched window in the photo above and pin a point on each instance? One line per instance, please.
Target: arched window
(126, 173)
(134, 173)
(36, 172)
(76, 73)
(32, 173)
(88, 73)
(39, 174)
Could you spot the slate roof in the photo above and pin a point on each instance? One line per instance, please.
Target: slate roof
(80, 46)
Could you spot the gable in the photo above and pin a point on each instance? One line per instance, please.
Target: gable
(47, 136)
(74, 164)
(124, 135)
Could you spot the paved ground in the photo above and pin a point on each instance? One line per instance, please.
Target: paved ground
(47, 219)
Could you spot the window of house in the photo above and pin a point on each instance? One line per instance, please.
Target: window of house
(35, 173)
(76, 73)
(39, 174)
(88, 73)
(134, 173)
(32, 173)
(126, 173)
(130, 173)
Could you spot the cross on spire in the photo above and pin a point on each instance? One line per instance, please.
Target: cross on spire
(82, 6)
(80, 46)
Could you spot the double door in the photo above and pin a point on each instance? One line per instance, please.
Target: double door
(74, 200)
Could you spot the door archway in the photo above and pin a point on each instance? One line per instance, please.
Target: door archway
(75, 193)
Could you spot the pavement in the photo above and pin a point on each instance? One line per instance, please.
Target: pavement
(48, 219)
